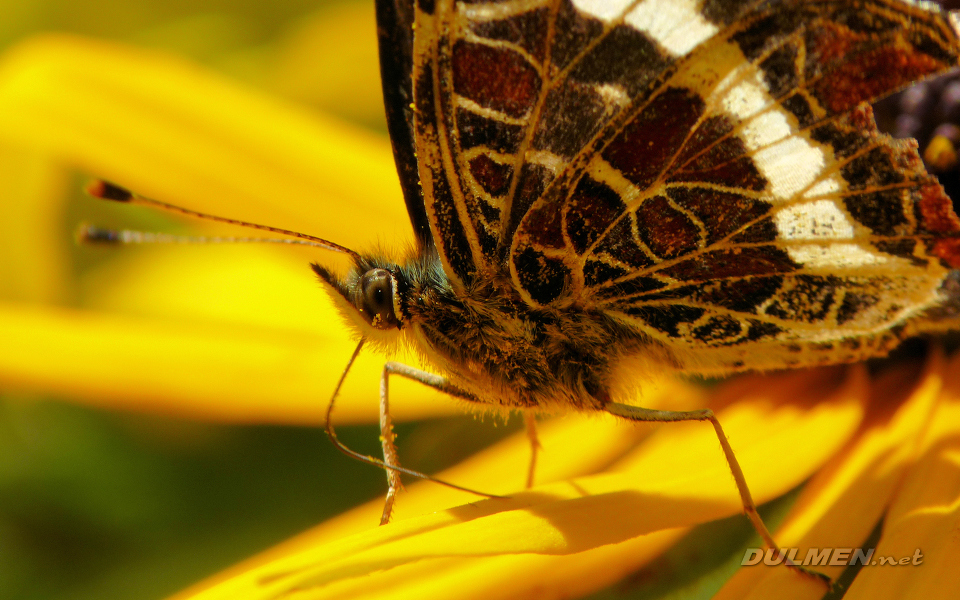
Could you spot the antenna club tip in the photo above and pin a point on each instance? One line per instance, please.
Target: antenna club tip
(105, 190)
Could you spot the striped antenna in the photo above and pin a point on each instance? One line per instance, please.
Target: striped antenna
(110, 191)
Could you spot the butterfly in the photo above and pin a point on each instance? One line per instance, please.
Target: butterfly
(601, 188)
(605, 189)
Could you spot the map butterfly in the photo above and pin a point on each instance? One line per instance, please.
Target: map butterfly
(605, 189)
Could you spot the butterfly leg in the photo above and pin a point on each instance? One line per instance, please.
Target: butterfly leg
(531, 424)
(636, 413)
(387, 437)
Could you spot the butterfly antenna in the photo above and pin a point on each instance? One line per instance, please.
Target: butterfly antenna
(105, 190)
(91, 234)
(370, 460)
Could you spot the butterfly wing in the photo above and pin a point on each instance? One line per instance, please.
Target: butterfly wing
(703, 171)
(743, 208)
(506, 93)
(480, 80)
(395, 37)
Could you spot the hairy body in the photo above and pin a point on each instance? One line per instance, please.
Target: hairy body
(492, 347)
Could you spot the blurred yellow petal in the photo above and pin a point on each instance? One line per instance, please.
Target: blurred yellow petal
(33, 251)
(584, 514)
(201, 370)
(843, 503)
(187, 135)
(174, 131)
(240, 284)
(330, 61)
(226, 299)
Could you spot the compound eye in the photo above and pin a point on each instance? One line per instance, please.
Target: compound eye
(376, 288)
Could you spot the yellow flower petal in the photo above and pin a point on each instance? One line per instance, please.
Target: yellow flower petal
(194, 138)
(240, 284)
(526, 576)
(561, 518)
(179, 133)
(805, 410)
(209, 371)
(331, 61)
(572, 445)
(223, 300)
(843, 503)
(32, 249)
(922, 524)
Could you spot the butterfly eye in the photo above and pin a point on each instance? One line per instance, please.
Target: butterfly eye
(376, 298)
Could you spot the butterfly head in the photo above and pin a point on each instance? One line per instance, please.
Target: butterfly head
(368, 296)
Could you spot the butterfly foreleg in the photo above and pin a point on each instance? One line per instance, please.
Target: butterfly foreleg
(531, 425)
(639, 414)
(387, 437)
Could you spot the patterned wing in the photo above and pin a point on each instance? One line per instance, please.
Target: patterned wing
(742, 207)
(508, 91)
